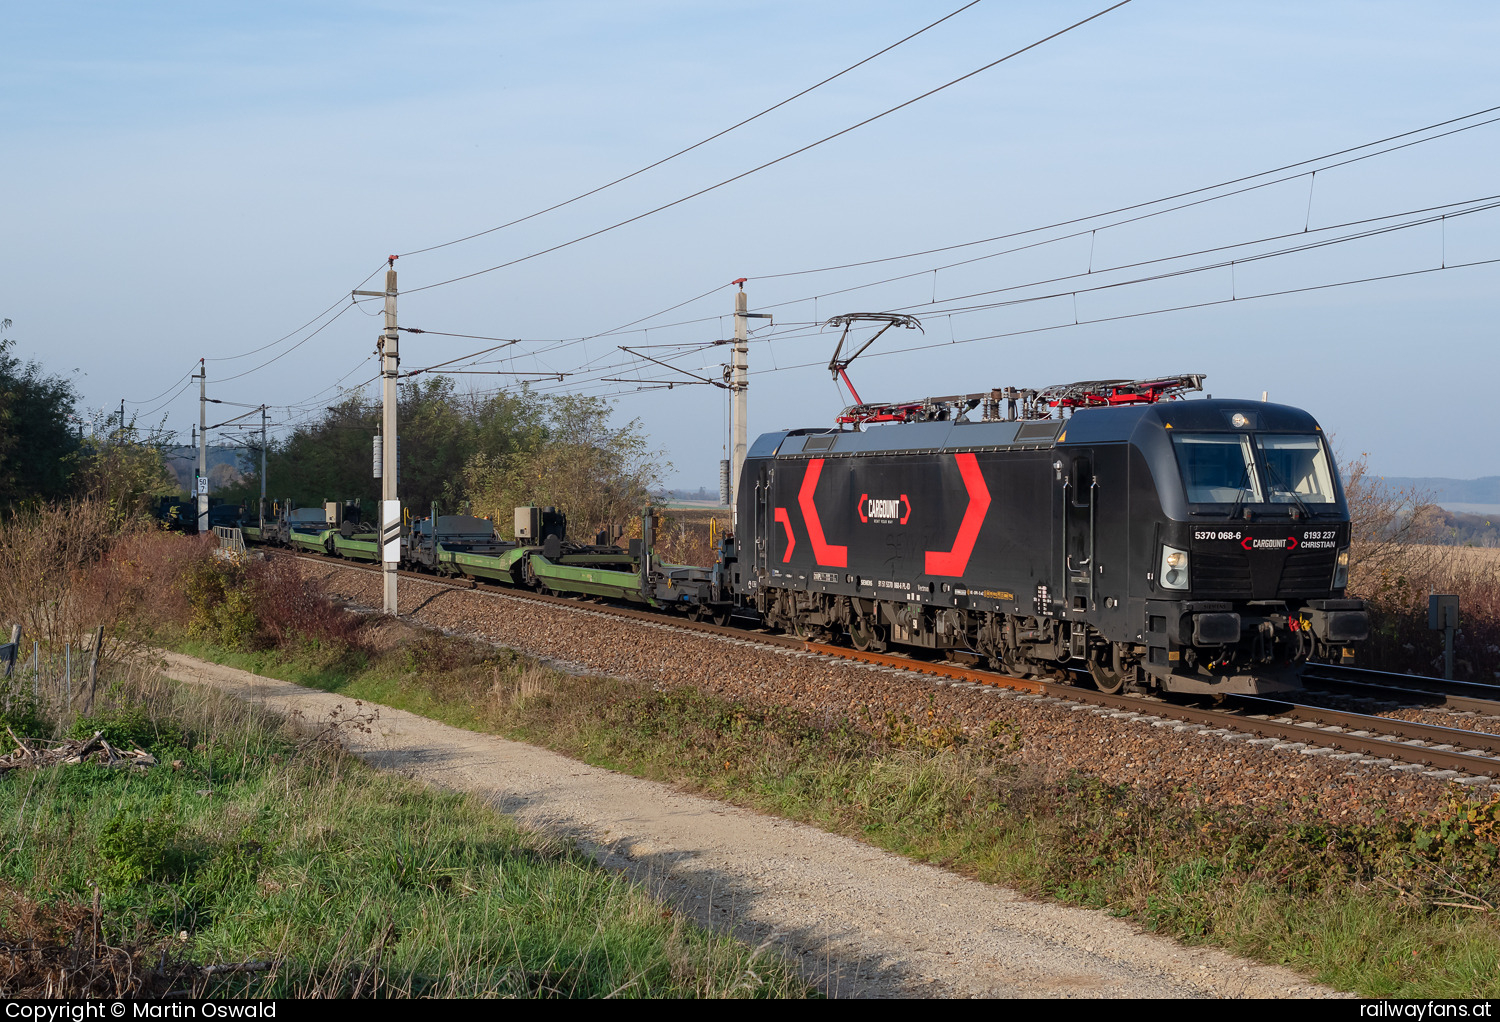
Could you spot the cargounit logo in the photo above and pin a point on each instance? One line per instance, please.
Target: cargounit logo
(884, 510)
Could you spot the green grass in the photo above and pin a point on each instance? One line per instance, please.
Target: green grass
(1352, 906)
(256, 847)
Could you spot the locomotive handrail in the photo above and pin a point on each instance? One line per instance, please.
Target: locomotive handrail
(1067, 503)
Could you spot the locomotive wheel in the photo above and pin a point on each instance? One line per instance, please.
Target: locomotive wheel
(862, 634)
(1106, 679)
(810, 632)
(1015, 666)
(721, 619)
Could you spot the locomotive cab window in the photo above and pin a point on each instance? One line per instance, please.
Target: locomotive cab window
(1217, 468)
(1296, 468)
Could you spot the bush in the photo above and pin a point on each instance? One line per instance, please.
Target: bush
(137, 585)
(131, 726)
(23, 717)
(222, 606)
(136, 847)
(44, 552)
(289, 609)
(1463, 833)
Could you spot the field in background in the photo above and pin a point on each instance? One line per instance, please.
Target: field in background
(1461, 560)
(1397, 560)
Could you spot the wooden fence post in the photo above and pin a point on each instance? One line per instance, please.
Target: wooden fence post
(94, 667)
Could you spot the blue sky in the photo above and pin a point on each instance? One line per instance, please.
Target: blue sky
(193, 179)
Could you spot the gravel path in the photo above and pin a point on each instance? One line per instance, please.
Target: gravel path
(859, 922)
(1194, 765)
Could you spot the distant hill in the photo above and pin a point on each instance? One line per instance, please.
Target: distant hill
(1458, 529)
(1485, 490)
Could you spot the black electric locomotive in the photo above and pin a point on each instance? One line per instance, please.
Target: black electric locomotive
(1189, 546)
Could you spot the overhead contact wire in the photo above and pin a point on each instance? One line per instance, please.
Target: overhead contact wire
(293, 333)
(1179, 195)
(771, 163)
(288, 351)
(695, 145)
(1156, 312)
(1477, 206)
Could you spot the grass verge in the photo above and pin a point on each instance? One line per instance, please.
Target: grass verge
(251, 844)
(1358, 907)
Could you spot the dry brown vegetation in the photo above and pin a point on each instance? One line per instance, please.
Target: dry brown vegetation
(682, 535)
(1396, 565)
(57, 950)
(68, 570)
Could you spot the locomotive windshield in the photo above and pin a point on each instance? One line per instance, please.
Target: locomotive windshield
(1296, 469)
(1217, 468)
(1223, 468)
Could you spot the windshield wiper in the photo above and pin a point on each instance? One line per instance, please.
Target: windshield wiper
(1276, 480)
(1239, 501)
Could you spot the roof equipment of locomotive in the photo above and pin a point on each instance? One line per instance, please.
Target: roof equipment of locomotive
(839, 366)
(1023, 403)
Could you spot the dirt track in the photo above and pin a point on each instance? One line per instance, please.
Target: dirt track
(859, 921)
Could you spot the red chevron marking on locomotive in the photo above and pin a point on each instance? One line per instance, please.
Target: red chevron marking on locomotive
(823, 553)
(953, 562)
(791, 540)
(907, 516)
(861, 508)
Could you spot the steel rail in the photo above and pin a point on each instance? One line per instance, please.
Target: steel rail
(1441, 759)
(1455, 695)
(1478, 689)
(1410, 730)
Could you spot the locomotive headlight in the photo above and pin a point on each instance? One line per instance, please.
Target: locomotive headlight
(1174, 568)
(1341, 569)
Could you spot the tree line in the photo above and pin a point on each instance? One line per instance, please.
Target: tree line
(477, 453)
(480, 453)
(49, 452)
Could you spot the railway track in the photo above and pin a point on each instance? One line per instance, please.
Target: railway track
(1277, 723)
(1470, 757)
(1453, 695)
